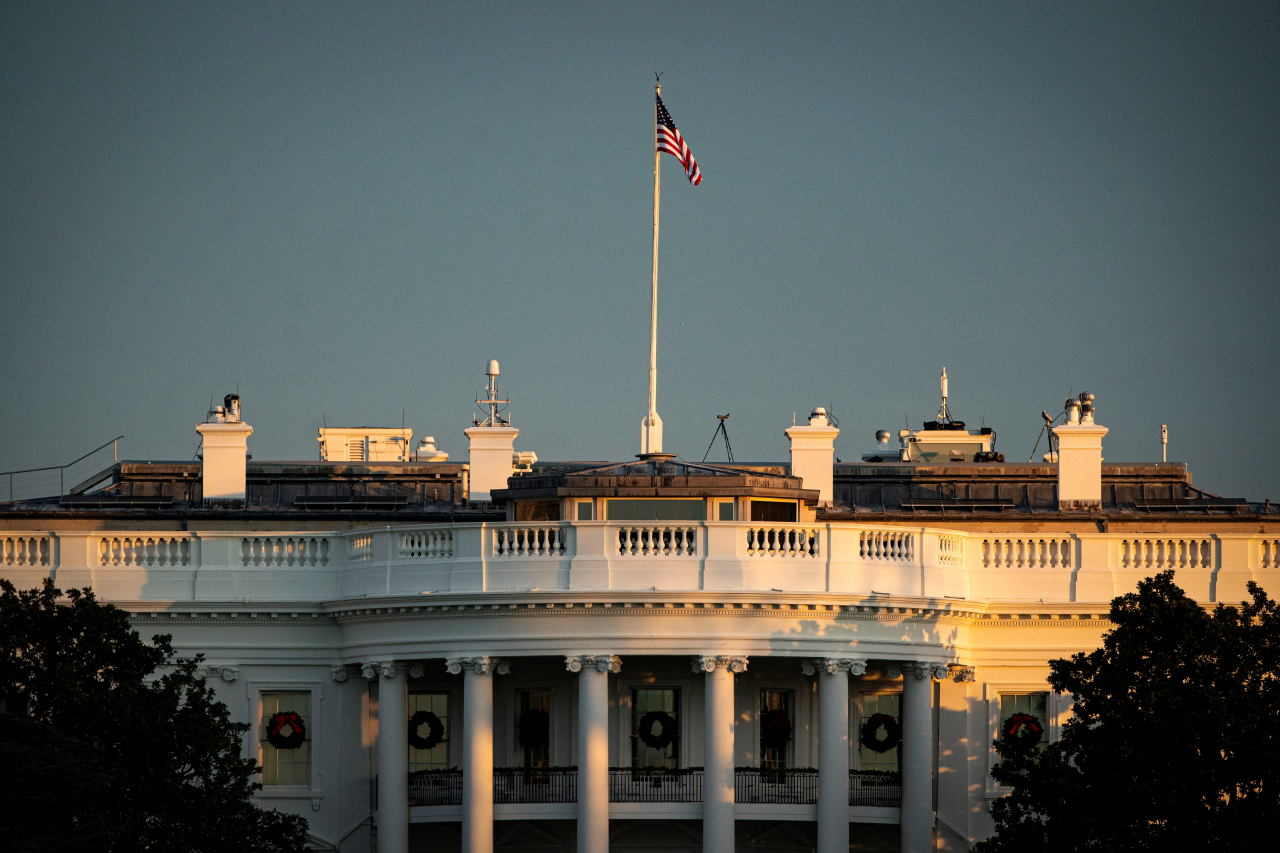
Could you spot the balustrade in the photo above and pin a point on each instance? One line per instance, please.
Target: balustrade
(1271, 553)
(529, 541)
(360, 549)
(426, 544)
(285, 550)
(144, 551)
(1027, 553)
(782, 542)
(886, 545)
(24, 550)
(950, 550)
(1166, 553)
(658, 540)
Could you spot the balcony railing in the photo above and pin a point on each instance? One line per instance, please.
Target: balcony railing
(755, 785)
(655, 785)
(435, 788)
(875, 788)
(535, 784)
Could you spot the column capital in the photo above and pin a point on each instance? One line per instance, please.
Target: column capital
(339, 672)
(708, 663)
(385, 668)
(833, 665)
(961, 674)
(601, 663)
(920, 669)
(228, 672)
(482, 665)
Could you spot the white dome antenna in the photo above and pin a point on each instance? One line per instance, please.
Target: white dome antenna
(491, 402)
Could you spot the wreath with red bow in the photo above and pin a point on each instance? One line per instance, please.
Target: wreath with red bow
(275, 730)
(775, 729)
(870, 729)
(435, 730)
(1023, 729)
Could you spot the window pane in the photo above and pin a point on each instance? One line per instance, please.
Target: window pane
(286, 766)
(658, 702)
(537, 510)
(533, 727)
(644, 510)
(1035, 704)
(437, 757)
(726, 510)
(584, 510)
(776, 727)
(781, 511)
(870, 704)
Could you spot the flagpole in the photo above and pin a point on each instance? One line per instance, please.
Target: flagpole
(651, 433)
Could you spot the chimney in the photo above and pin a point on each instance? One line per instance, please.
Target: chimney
(492, 451)
(1080, 456)
(226, 444)
(813, 453)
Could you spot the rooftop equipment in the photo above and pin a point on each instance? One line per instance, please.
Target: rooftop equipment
(939, 441)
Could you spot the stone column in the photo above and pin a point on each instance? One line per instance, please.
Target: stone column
(833, 741)
(717, 772)
(477, 749)
(917, 752)
(593, 748)
(393, 755)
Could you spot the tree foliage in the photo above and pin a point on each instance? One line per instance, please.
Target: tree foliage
(109, 757)
(1174, 741)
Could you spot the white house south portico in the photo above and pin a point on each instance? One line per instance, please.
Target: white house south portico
(645, 655)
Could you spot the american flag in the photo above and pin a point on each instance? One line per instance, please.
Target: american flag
(670, 140)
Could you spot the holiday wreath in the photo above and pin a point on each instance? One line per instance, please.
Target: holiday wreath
(775, 729)
(892, 733)
(435, 730)
(275, 730)
(1022, 729)
(666, 733)
(533, 728)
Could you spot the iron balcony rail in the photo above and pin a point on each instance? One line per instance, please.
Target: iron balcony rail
(760, 785)
(655, 785)
(535, 784)
(797, 786)
(875, 788)
(435, 788)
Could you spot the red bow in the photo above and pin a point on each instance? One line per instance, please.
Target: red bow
(279, 720)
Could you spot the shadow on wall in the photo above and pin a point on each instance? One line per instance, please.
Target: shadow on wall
(910, 632)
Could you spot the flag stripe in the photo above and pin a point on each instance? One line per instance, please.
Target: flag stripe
(670, 141)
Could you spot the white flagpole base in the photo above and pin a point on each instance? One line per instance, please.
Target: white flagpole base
(651, 434)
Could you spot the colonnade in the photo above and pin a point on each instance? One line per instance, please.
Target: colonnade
(718, 770)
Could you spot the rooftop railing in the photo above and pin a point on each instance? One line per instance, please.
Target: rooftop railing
(833, 557)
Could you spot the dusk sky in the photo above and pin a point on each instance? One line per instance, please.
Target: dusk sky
(346, 209)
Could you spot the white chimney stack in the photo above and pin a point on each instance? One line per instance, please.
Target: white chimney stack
(813, 453)
(1080, 456)
(226, 445)
(492, 452)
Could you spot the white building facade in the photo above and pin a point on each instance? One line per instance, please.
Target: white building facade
(653, 655)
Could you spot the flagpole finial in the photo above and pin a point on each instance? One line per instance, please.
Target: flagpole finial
(657, 80)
